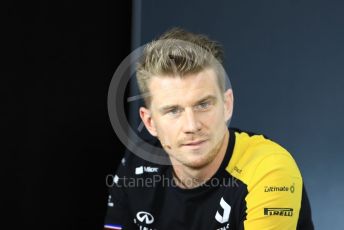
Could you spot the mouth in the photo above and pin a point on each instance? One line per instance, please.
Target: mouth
(194, 144)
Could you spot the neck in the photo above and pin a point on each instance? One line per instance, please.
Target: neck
(186, 177)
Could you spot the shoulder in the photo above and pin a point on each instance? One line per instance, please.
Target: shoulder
(275, 191)
(255, 157)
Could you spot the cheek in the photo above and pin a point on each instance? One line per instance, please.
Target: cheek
(215, 123)
(165, 131)
(212, 117)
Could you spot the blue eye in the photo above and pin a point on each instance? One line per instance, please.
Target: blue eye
(174, 111)
(203, 105)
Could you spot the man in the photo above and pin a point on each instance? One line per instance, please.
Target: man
(222, 178)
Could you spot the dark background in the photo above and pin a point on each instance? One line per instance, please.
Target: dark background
(284, 59)
(59, 144)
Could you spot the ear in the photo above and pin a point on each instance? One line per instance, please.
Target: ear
(228, 104)
(146, 117)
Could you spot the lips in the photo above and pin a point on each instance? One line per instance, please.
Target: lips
(194, 143)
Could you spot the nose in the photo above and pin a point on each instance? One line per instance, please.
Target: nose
(191, 123)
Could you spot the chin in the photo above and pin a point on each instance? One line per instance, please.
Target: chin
(196, 165)
(198, 161)
(194, 159)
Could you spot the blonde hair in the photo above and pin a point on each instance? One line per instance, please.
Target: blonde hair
(178, 53)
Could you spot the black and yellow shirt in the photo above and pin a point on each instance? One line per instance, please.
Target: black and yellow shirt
(258, 186)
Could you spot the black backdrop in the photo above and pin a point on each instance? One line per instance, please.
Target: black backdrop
(59, 146)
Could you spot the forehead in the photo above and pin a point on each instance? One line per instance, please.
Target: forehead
(166, 90)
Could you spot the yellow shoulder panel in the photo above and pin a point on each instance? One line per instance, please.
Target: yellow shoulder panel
(273, 181)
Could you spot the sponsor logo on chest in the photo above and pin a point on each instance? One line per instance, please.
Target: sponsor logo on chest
(147, 169)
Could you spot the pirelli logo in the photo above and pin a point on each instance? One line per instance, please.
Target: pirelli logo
(278, 212)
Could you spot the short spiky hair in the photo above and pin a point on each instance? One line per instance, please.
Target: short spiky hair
(178, 53)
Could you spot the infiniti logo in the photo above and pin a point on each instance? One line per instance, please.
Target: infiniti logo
(145, 217)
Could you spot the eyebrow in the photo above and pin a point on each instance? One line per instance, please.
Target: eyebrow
(169, 107)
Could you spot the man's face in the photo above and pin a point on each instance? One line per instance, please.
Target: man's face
(188, 115)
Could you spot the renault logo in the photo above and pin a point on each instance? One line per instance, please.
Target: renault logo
(145, 217)
(226, 212)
